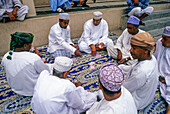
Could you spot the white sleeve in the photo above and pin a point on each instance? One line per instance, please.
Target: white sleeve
(40, 66)
(17, 3)
(136, 80)
(119, 41)
(105, 32)
(87, 33)
(80, 99)
(68, 38)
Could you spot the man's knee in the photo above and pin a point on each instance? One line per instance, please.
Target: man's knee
(148, 10)
(135, 11)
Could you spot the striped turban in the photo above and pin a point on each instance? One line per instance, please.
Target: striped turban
(20, 38)
(144, 40)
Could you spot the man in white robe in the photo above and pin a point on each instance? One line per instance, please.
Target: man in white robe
(22, 67)
(121, 50)
(12, 10)
(60, 43)
(162, 55)
(139, 8)
(95, 35)
(141, 80)
(117, 99)
(53, 94)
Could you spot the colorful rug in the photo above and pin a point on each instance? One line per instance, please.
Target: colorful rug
(81, 71)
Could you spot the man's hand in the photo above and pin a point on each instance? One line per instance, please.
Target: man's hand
(14, 12)
(77, 53)
(74, 46)
(77, 84)
(136, 2)
(162, 79)
(101, 45)
(81, 2)
(93, 50)
(11, 17)
(122, 61)
(119, 55)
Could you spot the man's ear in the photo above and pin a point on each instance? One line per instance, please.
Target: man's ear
(100, 86)
(25, 46)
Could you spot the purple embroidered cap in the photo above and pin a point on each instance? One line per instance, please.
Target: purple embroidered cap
(111, 77)
(166, 31)
(133, 20)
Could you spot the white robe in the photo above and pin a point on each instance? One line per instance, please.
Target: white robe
(59, 38)
(142, 81)
(54, 95)
(122, 105)
(22, 71)
(9, 5)
(94, 35)
(123, 44)
(162, 55)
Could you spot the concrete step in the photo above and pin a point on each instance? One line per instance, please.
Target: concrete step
(101, 4)
(156, 32)
(156, 23)
(158, 14)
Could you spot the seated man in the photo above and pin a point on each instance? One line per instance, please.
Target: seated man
(142, 78)
(117, 99)
(121, 50)
(82, 2)
(22, 67)
(139, 8)
(60, 43)
(59, 5)
(162, 55)
(12, 10)
(53, 94)
(95, 35)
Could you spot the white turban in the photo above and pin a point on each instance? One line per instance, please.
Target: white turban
(62, 64)
(97, 15)
(64, 16)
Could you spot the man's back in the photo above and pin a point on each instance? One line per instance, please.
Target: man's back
(22, 71)
(122, 105)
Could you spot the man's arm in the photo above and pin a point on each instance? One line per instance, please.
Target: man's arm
(93, 50)
(136, 80)
(11, 16)
(80, 99)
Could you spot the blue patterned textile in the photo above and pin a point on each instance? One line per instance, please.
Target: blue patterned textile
(81, 71)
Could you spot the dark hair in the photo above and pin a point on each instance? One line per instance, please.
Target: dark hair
(57, 73)
(61, 20)
(109, 93)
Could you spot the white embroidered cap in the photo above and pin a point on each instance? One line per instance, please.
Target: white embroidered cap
(97, 15)
(62, 64)
(64, 16)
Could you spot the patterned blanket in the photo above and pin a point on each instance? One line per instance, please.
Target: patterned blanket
(81, 71)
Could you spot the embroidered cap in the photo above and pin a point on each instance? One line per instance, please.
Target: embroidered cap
(64, 16)
(133, 20)
(111, 77)
(62, 64)
(166, 31)
(97, 15)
